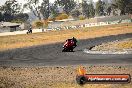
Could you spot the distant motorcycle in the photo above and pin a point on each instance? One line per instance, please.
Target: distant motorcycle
(69, 45)
(29, 31)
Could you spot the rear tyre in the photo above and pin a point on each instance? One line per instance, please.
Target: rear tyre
(71, 50)
(27, 32)
(64, 50)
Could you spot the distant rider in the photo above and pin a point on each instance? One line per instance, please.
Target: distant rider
(29, 30)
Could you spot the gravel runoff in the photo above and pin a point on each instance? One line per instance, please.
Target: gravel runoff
(124, 51)
(109, 48)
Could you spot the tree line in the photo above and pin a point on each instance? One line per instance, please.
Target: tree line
(12, 11)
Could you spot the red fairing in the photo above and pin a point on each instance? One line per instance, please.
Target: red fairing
(69, 43)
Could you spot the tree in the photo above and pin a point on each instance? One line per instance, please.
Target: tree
(114, 8)
(85, 9)
(100, 6)
(21, 17)
(108, 10)
(121, 4)
(9, 9)
(128, 8)
(44, 9)
(88, 9)
(7, 17)
(54, 11)
(40, 11)
(1, 17)
(91, 10)
(75, 13)
(33, 5)
(68, 5)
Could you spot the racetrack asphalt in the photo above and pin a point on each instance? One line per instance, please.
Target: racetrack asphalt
(52, 55)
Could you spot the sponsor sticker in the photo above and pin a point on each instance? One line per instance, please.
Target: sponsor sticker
(83, 78)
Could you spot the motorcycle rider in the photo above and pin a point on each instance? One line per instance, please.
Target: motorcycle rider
(30, 30)
(70, 44)
(75, 41)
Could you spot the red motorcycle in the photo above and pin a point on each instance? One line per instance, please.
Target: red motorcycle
(69, 45)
